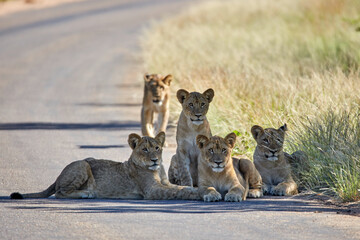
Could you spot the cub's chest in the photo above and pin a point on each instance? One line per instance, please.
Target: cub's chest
(189, 145)
(222, 187)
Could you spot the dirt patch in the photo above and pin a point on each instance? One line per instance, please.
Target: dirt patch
(9, 7)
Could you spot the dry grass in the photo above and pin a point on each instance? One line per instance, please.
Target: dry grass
(268, 62)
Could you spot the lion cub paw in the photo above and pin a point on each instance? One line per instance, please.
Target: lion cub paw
(280, 190)
(233, 197)
(255, 193)
(88, 194)
(212, 197)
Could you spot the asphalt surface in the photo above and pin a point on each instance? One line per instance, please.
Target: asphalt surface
(70, 88)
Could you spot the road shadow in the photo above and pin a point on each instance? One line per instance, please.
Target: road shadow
(266, 204)
(114, 125)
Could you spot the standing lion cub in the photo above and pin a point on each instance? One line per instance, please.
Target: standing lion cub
(156, 100)
(224, 177)
(272, 163)
(141, 177)
(183, 168)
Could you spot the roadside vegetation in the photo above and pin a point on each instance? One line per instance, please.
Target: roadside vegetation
(289, 61)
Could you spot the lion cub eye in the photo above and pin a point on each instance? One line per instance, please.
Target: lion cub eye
(223, 150)
(157, 148)
(202, 105)
(211, 151)
(191, 105)
(145, 150)
(266, 141)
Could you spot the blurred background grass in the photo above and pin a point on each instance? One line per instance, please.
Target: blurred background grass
(289, 61)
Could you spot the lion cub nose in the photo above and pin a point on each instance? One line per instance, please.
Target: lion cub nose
(273, 152)
(154, 159)
(198, 115)
(218, 162)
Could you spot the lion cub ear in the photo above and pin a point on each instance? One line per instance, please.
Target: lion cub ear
(230, 139)
(201, 140)
(133, 140)
(182, 95)
(283, 128)
(256, 131)
(167, 80)
(209, 94)
(147, 77)
(161, 138)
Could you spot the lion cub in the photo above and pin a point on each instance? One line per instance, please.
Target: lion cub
(141, 177)
(272, 163)
(156, 100)
(192, 122)
(220, 175)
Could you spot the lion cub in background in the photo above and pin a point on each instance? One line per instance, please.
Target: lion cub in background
(272, 163)
(156, 100)
(224, 177)
(183, 168)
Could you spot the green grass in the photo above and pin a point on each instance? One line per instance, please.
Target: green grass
(331, 141)
(268, 62)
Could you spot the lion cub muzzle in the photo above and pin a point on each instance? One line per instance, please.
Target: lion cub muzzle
(197, 119)
(272, 155)
(155, 164)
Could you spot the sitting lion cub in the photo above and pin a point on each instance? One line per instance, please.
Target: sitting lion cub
(156, 100)
(220, 175)
(272, 162)
(141, 177)
(192, 122)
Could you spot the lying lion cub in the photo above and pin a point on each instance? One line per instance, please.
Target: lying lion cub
(272, 162)
(141, 177)
(221, 176)
(192, 122)
(156, 100)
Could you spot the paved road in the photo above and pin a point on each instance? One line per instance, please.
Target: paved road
(70, 87)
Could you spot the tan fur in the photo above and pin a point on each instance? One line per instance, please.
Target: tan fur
(156, 100)
(224, 177)
(141, 177)
(272, 162)
(192, 122)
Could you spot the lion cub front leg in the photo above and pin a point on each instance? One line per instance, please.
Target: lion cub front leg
(235, 194)
(163, 119)
(285, 189)
(163, 178)
(209, 194)
(184, 172)
(252, 177)
(147, 122)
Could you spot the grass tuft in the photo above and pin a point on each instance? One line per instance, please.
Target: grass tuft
(331, 141)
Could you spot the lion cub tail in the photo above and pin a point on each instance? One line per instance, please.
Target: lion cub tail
(44, 194)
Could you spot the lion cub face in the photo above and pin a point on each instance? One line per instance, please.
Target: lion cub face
(147, 151)
(269, 141)
(216, 151)
(195, 105)
(158, 86)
